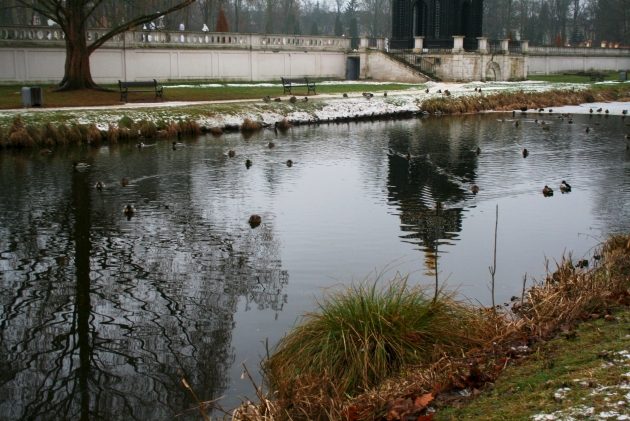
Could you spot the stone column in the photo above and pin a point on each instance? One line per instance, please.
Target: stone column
(364, 42)
(458, 43)
(482, 45)
(505, 46)
(418, 44)
(524, 46)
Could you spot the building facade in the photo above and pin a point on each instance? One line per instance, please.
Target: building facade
(437, 21)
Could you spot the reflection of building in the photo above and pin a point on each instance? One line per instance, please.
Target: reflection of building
(428, 187)
(435, 20)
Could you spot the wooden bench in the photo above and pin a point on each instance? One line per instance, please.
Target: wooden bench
(139, 86)
(288, 84)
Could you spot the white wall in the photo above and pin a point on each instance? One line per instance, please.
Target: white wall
(108, 65)
(549, 64)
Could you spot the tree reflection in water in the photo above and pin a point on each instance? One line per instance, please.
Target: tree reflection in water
(102, 317)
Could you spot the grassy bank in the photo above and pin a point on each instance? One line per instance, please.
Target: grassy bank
(508, 101)
(577, 374)
(366, 356)
(94, 127)
(10, 95)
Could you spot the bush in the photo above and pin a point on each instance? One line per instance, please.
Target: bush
(147, 129)
(125, 122)
(19, 136)
(249, 126)
(363, 335)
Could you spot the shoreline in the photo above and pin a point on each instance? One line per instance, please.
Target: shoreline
(217, 117)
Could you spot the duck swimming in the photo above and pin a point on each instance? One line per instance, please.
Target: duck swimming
(128, 211)
(254, 220)
(248, 163)
(99, 185)
(80, 166)
(124, 182)
(231, 153)
(474, 189)
(565, 187)
(289, 163)
(547, 191)
(525, 153)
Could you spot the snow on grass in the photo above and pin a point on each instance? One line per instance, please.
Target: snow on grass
(614, 400)
(322, 107)
(272, 85)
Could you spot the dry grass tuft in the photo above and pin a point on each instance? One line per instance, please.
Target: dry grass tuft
(19, 136)
(3, 138)
(572, 293)
(250, 126)
(189, 128)
(147, 129)
(51, 135)
(172, 129)
(113, 134)
(216, 131)
(93, 135)
(507, 101)
(283, 125)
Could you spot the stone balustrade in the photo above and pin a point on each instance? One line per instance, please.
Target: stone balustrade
(54, 36)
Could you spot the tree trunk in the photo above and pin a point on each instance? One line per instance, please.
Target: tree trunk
(77, 66)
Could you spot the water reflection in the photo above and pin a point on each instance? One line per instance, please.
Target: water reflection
(102, 315)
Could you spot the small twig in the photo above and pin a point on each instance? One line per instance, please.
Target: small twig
(202, 410)
(493, 268)
(435, 297)
(523, 290)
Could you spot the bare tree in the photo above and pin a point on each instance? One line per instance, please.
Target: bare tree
(73, 16)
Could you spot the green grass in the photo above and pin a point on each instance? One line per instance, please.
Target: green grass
(365, 334)
(574, 77)
(577, 363)
(10, 95)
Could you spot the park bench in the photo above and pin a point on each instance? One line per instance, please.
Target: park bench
(288, 84)
(139, 86)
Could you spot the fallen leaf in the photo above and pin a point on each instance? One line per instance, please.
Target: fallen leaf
(421, 402)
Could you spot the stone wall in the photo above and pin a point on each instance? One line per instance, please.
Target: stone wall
(550, 60)
(466, 67)
(110, 65)
(34, 54)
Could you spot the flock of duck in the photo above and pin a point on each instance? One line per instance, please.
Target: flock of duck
(129, 210)
(255, 220)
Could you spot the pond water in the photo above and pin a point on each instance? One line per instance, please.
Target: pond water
(103, 315)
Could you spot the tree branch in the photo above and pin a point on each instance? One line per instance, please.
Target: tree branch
(135, 22)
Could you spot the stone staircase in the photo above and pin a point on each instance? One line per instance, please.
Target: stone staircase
(418, 62)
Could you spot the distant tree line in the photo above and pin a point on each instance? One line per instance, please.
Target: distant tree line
(542, 22)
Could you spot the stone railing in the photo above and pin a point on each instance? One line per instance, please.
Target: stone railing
(579, 51)
(54, 36)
